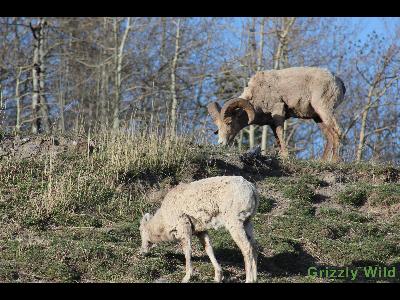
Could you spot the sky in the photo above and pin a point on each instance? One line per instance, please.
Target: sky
(380, 25)
(383, 26)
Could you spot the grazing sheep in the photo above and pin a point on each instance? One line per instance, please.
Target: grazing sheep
(193, 208)
(273, 96)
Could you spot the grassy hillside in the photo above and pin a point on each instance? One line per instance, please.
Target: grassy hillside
(70, 211)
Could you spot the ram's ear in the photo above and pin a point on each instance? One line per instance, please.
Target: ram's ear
(146, 218)
(214, 111)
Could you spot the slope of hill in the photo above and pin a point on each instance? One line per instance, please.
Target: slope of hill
(70, 211)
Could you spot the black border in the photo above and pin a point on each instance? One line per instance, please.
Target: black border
(199, 8)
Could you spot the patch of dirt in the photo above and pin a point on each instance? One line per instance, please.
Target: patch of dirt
(381, 211)
(281, 203)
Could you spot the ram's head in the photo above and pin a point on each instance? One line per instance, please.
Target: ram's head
(234, 115)
(145, 235)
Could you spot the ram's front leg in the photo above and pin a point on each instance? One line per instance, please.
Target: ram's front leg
(184, 234)
(278, 116)
(187, 250)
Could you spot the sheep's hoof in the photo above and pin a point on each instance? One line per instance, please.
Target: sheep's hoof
(251, 280)
(218, 277)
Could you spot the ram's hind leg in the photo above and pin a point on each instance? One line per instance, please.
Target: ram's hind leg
(184, 234)
(248, 227)
(336, 140)
(238, 233)
(328, 139)
(205, 241)
(332, 129)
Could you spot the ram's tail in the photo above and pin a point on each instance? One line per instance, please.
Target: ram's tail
(256, 197)
(342, 84)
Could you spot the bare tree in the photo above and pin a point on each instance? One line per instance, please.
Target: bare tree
(39, 109)
(382, 80)
(264, 135)
(119, 51)
(174, 99)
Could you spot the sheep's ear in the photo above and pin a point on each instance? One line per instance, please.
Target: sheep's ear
(214, 110)
(146, 217)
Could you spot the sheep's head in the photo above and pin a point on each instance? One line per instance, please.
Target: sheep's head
(145, 235)
(234, 115)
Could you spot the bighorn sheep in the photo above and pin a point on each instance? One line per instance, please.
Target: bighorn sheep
(273, 96)
(193, 208)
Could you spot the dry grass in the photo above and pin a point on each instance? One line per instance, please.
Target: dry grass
(78, 182)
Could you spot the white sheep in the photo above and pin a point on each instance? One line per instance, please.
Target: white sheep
(193, 208)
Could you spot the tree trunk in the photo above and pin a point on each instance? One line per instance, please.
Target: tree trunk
(119, 51)
(361, 138)
(240, 141)
(103, 83)
(283, 41)
(36, 121)
(174, 105)
(18, 102)
(1, 96)
(264, 134)
(281, 51)
(1, 105)
(252, 67)
(39, 105)
(163, 38)
(251, 136)
(44, 110)
(64, 87)
(103, 105)
(61, 122)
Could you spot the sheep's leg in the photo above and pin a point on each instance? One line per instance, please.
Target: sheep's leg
(277, 129)
(184, 234)
(239, 235)
(279, 134)
(205, 241)
(278, 116)
(328, 137)
(248, 227)
(187, 250)
(331, 127)
(336, 141)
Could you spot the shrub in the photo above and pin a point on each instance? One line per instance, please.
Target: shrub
(387, 194)
(266, 204)
(312, 180)
(301, 208)
(353, 195)
(299, 191)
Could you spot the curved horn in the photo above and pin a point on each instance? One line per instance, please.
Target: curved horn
(214, 110)
(231, 105)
